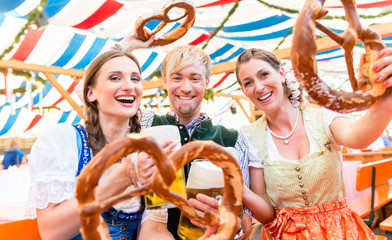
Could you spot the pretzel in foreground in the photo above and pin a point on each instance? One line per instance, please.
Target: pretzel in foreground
(89, 209)
(164, 17)
(303, 57)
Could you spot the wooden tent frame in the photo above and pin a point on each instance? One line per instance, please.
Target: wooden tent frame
(323, 44)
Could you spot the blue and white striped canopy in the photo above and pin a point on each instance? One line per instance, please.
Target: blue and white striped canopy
(73, 32)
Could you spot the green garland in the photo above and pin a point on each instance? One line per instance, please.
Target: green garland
(31, 18)
(294, 11)
(284, 38)
(19, 90)
(46, 108)
(286, 10)
(27, 75)
(231, 12)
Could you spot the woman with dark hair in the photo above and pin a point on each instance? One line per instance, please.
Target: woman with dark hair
(294, 151)
(112, 93)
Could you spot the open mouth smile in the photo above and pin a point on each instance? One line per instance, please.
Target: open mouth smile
(266, 96)
(125, 99)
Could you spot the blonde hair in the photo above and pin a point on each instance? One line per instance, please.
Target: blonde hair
(182, 56)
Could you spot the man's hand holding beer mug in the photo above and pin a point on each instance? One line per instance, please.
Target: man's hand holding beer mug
(165, 134)
(142, 166)
(204, 189)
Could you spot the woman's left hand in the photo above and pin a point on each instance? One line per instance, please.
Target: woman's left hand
(383, 67)
(145, 164)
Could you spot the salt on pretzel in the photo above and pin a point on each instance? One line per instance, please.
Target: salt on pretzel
(303, 57)
(163, 16)
(89, 209)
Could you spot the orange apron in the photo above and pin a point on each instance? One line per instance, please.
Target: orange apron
(333, 220)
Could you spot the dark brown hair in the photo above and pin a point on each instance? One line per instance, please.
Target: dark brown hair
(96, 139)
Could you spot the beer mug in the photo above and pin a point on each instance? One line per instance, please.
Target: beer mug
(204, 177)
(162, 133)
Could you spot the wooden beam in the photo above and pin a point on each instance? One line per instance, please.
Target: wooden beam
(243, 110)
(323, 44)
(235, 96)
(65, 94)
(19, 65)
(152, 84)
(252, 111)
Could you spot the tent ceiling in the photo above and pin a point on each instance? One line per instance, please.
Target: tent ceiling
(72, 32)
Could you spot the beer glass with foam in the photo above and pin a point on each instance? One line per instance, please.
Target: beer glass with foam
(162, 133)
(204, 177)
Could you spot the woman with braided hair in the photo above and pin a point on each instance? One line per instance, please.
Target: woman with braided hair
(112, 93)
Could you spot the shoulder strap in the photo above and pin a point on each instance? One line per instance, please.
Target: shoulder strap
(84, 148)
(315, 122)
(258, 135)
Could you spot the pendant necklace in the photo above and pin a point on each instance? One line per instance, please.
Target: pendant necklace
(286, 138)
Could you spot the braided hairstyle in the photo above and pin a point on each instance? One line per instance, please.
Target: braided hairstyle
(96, 139)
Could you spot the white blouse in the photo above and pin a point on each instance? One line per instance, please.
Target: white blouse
(53, 165)
(273, 153)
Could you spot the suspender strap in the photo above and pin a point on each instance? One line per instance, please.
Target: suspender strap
(84, 149)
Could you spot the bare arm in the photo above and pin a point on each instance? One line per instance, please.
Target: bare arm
(256, 198)
(364, 131)
(53, 221)
(61, 220)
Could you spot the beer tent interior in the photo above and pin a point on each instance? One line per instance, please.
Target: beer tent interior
(46, 45)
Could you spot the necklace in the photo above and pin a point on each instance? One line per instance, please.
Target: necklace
(286, 138)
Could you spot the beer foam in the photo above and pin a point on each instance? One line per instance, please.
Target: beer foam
(164, 132)
(205, 175)
(233, 152)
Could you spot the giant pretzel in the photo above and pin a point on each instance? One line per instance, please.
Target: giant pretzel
(93, 225)
(163, 16)
(303, 57)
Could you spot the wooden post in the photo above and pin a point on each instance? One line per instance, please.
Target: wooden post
(65, 94)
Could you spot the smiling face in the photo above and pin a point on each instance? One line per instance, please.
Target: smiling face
(117, 89)
(262, 84)
(185, 72)
(186, 89)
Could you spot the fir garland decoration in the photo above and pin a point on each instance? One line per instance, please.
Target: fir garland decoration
(284, 38)
(231, 12)
(26, 75)
(31, 17)
(19, 89)
(294, 11)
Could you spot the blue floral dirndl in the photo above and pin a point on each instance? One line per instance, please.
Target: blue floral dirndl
(122, 225)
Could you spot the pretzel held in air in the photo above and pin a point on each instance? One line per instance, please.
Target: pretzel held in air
(303, 57)
(89, 209)
(163, 16)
